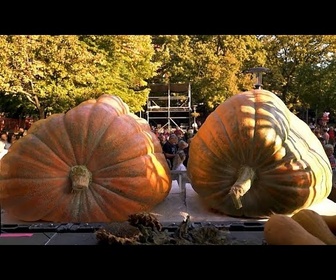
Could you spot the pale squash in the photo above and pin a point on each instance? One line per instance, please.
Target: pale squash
(331, 222)
(315, 225)
(281, 229)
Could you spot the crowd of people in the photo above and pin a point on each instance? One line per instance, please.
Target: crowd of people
(326, 134)
(7, 138)
(175, 146)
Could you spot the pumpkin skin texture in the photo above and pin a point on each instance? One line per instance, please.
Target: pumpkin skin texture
(252, 157)
(96, 163)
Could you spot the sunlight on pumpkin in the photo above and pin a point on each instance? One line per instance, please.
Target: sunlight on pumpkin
(156, 173)
(160, 170)
(280, 151)
(116, 102)
(247, 109)
(149, 142)
(248, 126)
(155, 169)
(270, 136)
(266, 113)
(264, 123)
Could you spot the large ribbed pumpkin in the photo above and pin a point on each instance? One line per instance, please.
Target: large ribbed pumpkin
(252, 157)
(96, 163)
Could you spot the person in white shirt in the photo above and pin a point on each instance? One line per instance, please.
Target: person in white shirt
(3, 151)
(178, 160)
(178, 165)
(4, 138)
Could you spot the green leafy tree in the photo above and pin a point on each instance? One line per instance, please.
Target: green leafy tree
(302, 69)
(214, 64)
(128, 66)
(47, 71)
(54, 73)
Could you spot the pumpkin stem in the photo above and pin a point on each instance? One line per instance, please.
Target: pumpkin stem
(80, 177)
(242, 185)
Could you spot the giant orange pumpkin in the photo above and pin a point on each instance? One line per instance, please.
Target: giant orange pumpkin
(252, 157)
(96, 163)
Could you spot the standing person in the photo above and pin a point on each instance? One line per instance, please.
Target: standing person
(4, 138)
(329, 149)
(325, 136)
(178, 161)
(162, 139)
(184, 146)
(331, 133)
(178, 165)
(170, 148)
(21, 132)
(3, 151)
(180, 134)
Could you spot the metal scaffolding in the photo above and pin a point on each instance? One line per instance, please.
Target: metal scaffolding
(170, 103)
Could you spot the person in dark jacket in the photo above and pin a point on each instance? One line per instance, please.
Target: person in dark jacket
(170, 148)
